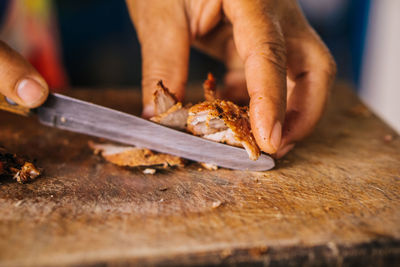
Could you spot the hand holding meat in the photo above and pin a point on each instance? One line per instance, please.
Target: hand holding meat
(20, 82)
(267, 46)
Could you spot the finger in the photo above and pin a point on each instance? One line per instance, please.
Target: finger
(283, 150)
(260, 44)
(163, 33)
(312, 69)
(19, 80)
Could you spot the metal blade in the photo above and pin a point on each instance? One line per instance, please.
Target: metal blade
(83, 117)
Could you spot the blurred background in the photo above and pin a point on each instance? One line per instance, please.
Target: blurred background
(92, 43)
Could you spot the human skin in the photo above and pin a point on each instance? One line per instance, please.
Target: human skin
(267, 46)
(19, 80)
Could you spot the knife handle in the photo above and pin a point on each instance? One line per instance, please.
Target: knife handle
(10, 106)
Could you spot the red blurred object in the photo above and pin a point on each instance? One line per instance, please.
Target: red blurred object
(31, 29)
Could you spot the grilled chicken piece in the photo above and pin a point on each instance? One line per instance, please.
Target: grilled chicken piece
(133, 156)
(169, 112)
(216, 120)
(224, 122)
(20, 169)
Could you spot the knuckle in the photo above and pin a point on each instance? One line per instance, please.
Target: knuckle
(273, 52)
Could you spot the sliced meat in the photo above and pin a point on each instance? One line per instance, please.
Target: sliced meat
(17, 167)
(175, 117)
(163, 99)
(169, 112)
(224, 122)
(134, 157)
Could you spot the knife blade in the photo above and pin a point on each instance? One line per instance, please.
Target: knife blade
(75, 115)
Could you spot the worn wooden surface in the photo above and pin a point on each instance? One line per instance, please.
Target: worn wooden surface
(335, 199)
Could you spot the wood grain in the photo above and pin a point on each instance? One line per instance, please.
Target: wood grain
(335, 199)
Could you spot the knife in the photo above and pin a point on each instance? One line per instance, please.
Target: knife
(75, 115)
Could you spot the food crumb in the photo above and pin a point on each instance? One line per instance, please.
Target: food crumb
(258, 251)
(18, 203)
(63, 119)
(162, 200)
(359, 110)
(226, 253)
(209, 166)
(199, 169)
(149, 171)
(216, 204)
(388, 138)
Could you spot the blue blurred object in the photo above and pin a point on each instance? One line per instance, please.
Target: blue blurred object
(99, 43)
(360, 10)
(3, 9)
(342, 25)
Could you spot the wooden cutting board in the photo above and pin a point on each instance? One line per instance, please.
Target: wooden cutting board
(335, 199)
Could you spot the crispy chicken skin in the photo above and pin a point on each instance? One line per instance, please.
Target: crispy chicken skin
(214, 119)
(223, 121)
(17, 167)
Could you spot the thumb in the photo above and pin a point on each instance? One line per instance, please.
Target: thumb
(164, 37)
(19, 81)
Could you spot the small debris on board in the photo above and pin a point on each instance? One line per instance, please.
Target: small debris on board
(258, 251)
(149, 171)
(163, 188)
(388, 138)
(209, 166)
(216, 204)
(17, 167)
(360, 110)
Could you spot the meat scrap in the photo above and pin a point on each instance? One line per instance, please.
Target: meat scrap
(163, 99)
(129, 156)
(14, 166)
(168, 111)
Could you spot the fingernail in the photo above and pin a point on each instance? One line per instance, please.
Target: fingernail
(284, 150)
(276, 135)
(30, 91)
